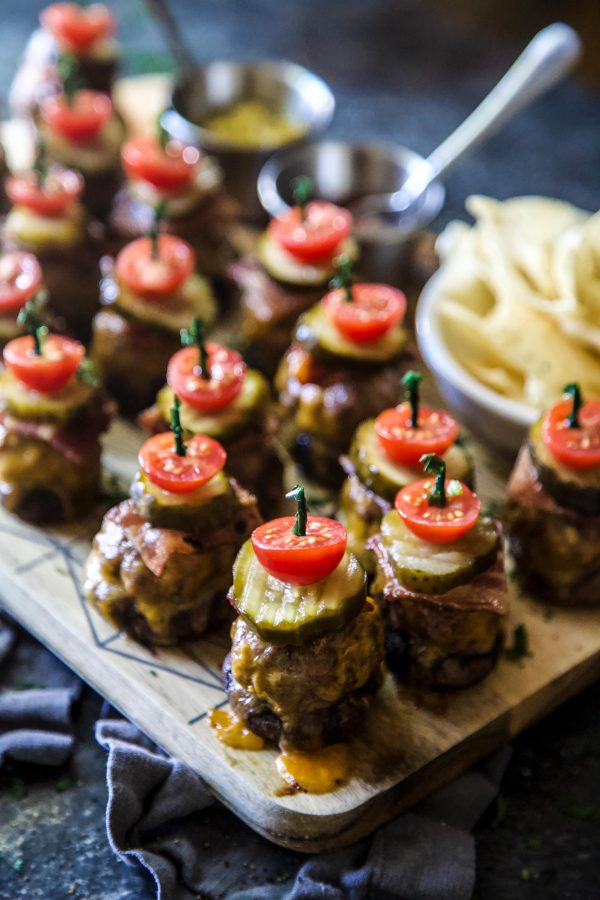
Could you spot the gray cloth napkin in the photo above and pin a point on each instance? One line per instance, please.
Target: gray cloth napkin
(35, 724)
(161, 815)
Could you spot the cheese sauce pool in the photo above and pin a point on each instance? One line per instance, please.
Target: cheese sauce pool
(316, 773)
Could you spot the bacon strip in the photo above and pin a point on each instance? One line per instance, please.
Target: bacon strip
(157, 546)
(73, 439)
(486, 591)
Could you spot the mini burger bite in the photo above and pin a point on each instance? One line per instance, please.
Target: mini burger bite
(307, 647)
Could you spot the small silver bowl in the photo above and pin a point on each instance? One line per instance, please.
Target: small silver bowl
(343, 172)
(283, 87)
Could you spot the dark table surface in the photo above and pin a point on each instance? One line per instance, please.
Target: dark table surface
(407, 70)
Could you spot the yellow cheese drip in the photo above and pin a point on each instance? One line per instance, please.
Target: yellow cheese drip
(231, 731)
(318, 772)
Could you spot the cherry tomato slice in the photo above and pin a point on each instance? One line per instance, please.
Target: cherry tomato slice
(49, 372)
(76, 28)
(227, 374)
(20, 279)
(59, 189)
(78, 121)
(171, 170)
(300, 560)
(142, 274)
(204, 459)
(373, 310)
(578, 448)
(439, 525)
(317, 236)
(435, 433)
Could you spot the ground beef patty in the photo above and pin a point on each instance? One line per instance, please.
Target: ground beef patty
(307, 696)
(321, 405)
(160, 585)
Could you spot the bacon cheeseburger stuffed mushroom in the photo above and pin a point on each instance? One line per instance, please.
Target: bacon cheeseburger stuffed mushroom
(82, 131)
(307, 647)
(384, 456)
(83, 36)
(224, 399)
(48, 220)
(553, 510)
(440, 583)
(288, 272)
(161, 170)
(148, 296)
(161, 561)
(52, 413)
(343, 366)
(86, 34)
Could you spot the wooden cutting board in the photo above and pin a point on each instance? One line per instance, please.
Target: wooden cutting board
(408, 747)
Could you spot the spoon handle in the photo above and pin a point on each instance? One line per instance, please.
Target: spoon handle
(171, 32)
(545, 60)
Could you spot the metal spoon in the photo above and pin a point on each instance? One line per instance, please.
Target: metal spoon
(168, 24)
(549, 56)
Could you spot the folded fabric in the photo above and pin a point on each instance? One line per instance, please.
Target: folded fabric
(161, 814)
(35, 725)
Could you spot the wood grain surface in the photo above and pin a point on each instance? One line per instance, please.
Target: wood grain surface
(410, 744)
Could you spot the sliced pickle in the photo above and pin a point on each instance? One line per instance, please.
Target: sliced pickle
(385, 477)
(59, 406)
(283, 267)
(436, 568)
(209, 507)
(195, 298)
(39, 232)
(577, 489)
(222, 423)
(318, 333)
(293, 614)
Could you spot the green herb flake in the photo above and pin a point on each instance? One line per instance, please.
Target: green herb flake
(520, 645)
(18, 788)
(63, 784)
(525, 874)
(154, 673)
(501, 808)
(585, 812)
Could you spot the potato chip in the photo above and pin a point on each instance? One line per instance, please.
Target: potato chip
(519, 297)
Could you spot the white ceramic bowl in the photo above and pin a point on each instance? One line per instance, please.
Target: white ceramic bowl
(501, 422)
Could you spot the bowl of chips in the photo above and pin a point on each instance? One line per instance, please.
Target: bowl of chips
(513, 313)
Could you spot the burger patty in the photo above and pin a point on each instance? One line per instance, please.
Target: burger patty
(49, 472)
(448, 640)
(306, 696)
(160, 585)
(321, 406)
(132, 358)
(557, 549)
(269, 312)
